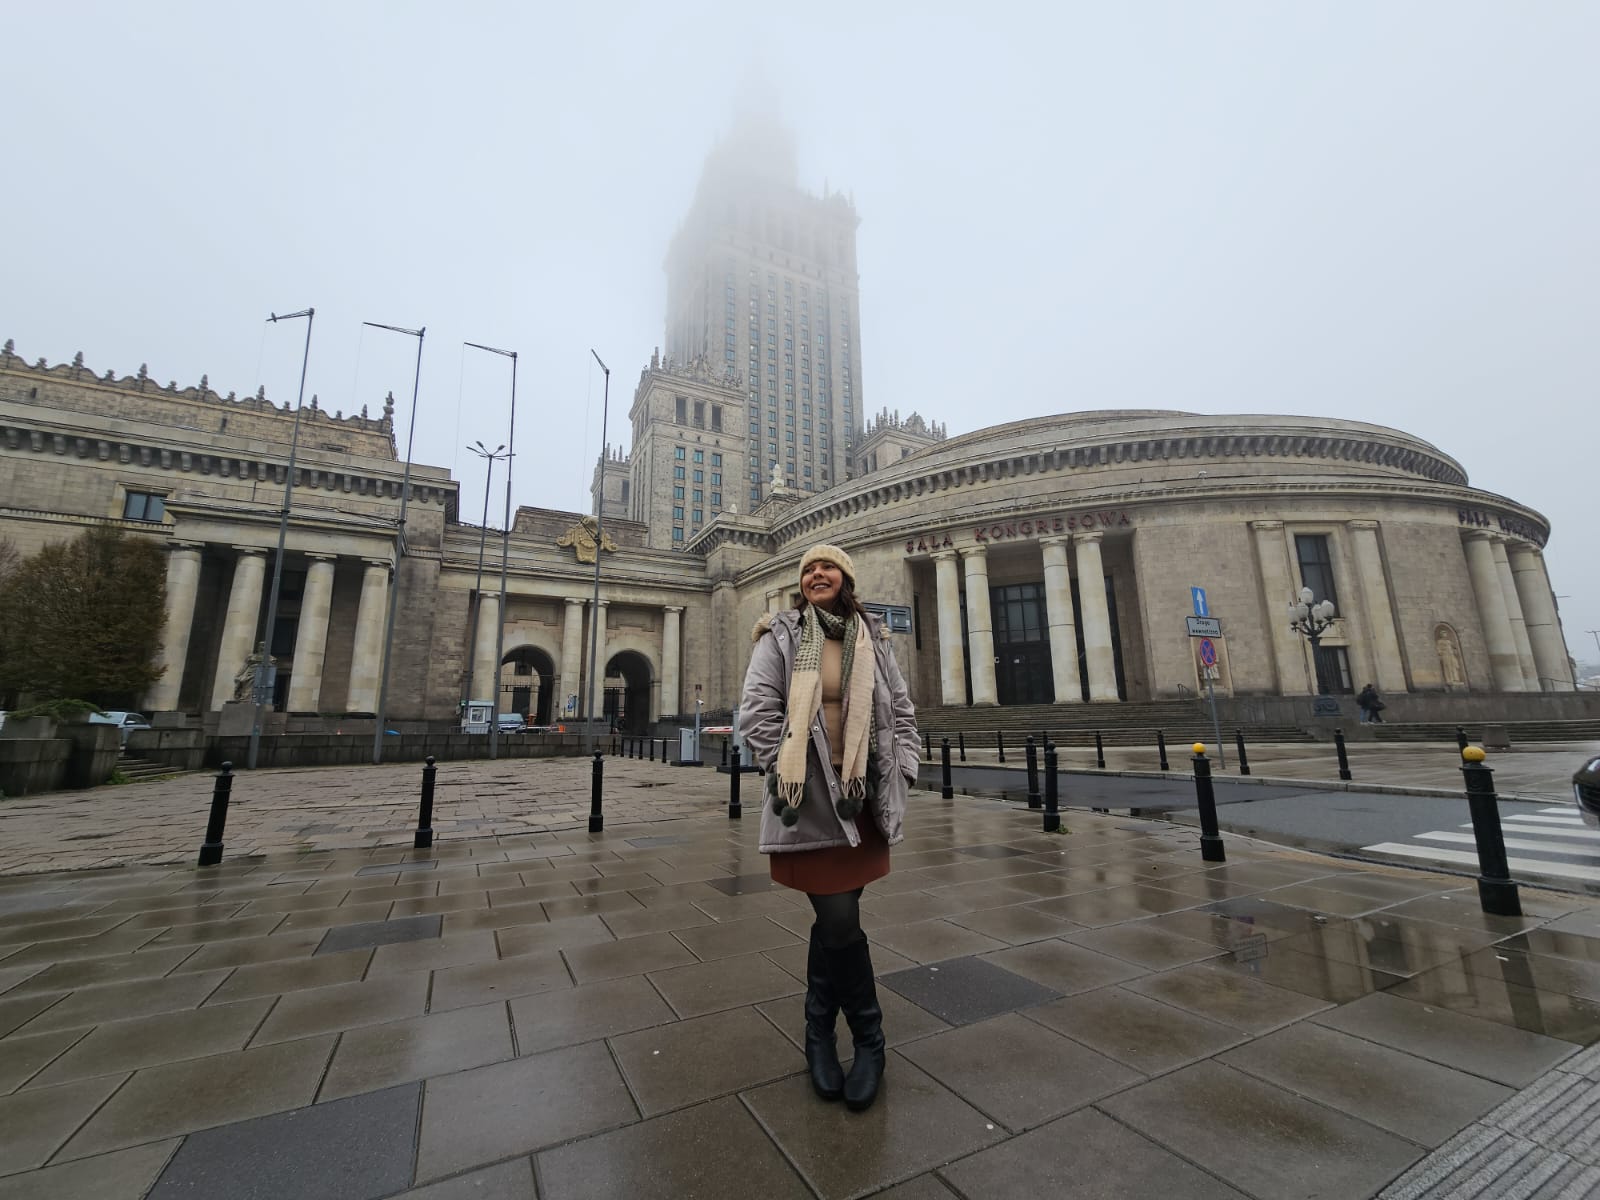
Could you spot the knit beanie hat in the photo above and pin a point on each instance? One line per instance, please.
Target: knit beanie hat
(830, 554)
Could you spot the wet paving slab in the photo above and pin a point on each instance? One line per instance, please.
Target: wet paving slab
(549, 1012)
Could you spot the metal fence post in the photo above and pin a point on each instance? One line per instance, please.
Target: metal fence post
(1344, 758)
(1462, 741)
(597, 821)
(927, 752)
(1496, 892)
(1032, 754)
(1052, 812)
(211, 848)
(1161, 749)
(1000, 743)
(424, 837)
(961, 740)
(734, 811)
(1099, 751)
(1210, 839)
(1244, 759)
(946, 791)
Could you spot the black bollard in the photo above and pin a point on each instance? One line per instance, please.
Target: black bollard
(734, 811)
(597, 775)
(1496, 892)
(664, 749)
(1461, 738)
(1344, 759)
(1099, 751)
(652, 749)
(927, 753)
(1052, 813)
(946, 791)
(1238, 744)
(961, 740)
(424, 837)
(1000, 743)
(616, 746)
(1032, 753)
(211, 848)
(725, 754)
(1161, 748)
(1210, 839)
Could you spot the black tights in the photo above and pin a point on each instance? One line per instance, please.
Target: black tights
(838, 918)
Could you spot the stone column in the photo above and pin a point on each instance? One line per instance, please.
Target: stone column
(483, 660)
(571, 652)
(952, 687)
(980, 625)
(1097, 651)
(597, 686)
(311, 638)
(1388, 669)
(1519, 628)
(1279, 590)
(183, 583)
(239, 625)
(1063, 621)
(671, 701)
(1539, 612)
(366, 659)
(1504, 665)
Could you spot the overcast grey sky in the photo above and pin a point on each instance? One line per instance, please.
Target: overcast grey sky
(1379, 211)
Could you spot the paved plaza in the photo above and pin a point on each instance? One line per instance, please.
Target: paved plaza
(527, 1009)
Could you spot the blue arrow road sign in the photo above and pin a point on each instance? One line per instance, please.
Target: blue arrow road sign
(1198, 595)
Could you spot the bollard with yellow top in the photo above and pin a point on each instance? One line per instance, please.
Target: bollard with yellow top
(1210, 839)
(1496, 893)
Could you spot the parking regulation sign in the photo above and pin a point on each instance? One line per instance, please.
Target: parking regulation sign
(1208, 652)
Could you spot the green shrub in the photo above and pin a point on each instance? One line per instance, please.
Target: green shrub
(56, 710)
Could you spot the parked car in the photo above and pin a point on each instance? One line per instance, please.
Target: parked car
(513, 723)
(126, 722)
(1586, 792)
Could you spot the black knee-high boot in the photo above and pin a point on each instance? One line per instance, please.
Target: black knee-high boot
(851, 968)
(822, 1013)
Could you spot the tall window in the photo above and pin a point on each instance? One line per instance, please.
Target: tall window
(1316, 565)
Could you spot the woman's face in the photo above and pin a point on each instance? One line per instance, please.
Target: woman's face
(820, 583)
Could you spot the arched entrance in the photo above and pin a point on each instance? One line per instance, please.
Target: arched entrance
(528, 686)
(627, 703)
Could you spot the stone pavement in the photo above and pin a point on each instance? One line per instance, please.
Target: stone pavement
(530, 1010)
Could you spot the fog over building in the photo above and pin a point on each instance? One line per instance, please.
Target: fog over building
(1046, 561)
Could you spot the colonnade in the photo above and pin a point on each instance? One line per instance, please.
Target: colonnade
(970, 566)
(1518, 613)
(241, 622)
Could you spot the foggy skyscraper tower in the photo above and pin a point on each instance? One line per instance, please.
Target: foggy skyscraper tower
(762, 286)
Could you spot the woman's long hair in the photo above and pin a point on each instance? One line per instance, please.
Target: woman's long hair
(845, 601)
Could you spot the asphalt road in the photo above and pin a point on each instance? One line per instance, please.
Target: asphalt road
(1302, 815)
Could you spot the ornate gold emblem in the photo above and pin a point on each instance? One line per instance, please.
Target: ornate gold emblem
(581, 538)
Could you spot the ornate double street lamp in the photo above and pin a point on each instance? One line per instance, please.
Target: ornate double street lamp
(1310, 618)
(505, 552)
(490, 457)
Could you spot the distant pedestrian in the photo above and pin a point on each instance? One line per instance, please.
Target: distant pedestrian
(1371, 707)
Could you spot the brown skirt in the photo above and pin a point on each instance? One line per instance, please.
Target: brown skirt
(835, 868)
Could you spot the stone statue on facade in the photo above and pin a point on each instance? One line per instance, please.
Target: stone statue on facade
(581, 537)
(1450, 664)
(777, 477)
(244, 683)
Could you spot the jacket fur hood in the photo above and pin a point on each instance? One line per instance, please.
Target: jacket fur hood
(764, 622)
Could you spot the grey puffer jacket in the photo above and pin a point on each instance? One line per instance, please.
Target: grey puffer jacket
(761, 717)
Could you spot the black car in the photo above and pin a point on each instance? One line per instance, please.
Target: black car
(1586, 792)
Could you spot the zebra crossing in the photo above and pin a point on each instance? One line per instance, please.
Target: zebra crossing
(1553, 842)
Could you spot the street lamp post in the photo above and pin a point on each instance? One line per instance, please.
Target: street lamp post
(400, 544)
(594, 710)
(505, 552)
(264, 669)
(1310, 618)
(489, 456)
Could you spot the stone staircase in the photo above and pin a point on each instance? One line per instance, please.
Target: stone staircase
(1519, 732)
(1128, 724)
(134, 768)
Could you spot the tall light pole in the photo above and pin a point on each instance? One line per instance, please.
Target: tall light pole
(505, 552)
(1310, 618)
(489, 456)
(265, 672)
(596, 693)
(400, 544)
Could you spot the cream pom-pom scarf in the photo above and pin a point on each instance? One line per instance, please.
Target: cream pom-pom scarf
(805, 701)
